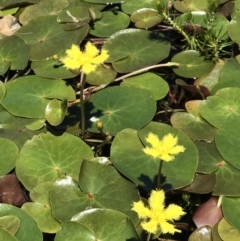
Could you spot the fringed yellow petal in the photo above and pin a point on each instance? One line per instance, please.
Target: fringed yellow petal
(153, 140)
(140, 209)
(169, 141)
(151, 152)
(88, 68)
(173, 212)
(100, 59)
(91, 50)
(151, 226)
(70, 63)
(177, 149)
(156, 200)
(168, 228)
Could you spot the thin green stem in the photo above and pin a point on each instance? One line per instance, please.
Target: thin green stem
(159, 174)
(220, 200)
(82, 84)
(148, 237)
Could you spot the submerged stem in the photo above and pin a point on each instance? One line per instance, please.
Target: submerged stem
(148, 237)
(159, 175)
(82, 84)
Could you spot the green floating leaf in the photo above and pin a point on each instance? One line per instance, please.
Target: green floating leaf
(119, 108)
(14, 128)
(10, 223)
(128, 157)
(6, 236)
(28, 230)
(36, 125)
(43, 7)
(6, 12)
(227, 231)
(191, 5)
(191, 64)
(103, 1)
(213, 77)
(4, 3)
(131, 6)
(231, 211)
(110, 23)
(52, 67)
(223, 108)
(228, 76)
(100, 186)
(233, 29)
(56, 111)
(201, 234)
(145, 18)
(10, 49)
(40, 208)
(227, 142)
(35, 95)
(133, 49)
(155, 84)
(101, 76)
(202, 183)
(45, 40)
(72, 231)
(46, 157)
(106, 223)
(192, 124)
(210, 161)
(8, 153)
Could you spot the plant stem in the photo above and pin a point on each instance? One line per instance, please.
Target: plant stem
(148, 237)
(82, 84)
(220, 200)
(159, 174)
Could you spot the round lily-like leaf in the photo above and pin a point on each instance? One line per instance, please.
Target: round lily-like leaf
(2, 90)
(14, 128)
(119, 108)
(212, 78)
(128, 157)
(191, 64)
(103, 1)
(6, 236)
(131, 6)
(192, 124)
(227, 231)
(75, 14)
(36, 125)
(133, 49)
(40, 208)
(228, 76)
(201, 234)
(10, 223)
(233, 30)
(110, 23)
(191, 5)
(73, 231)
(155, 84)
(8, 158)
(101, 75)
(106, 223)
(46, 157)
(210, 161)
(227, 142)
(45, 40)
(4, 3)
(43, 7)
(56, 111)
(145, 18)
(28, 230)
(100, 186)
(10, 49)
(223, 108)
(35, 95)
(231, 210)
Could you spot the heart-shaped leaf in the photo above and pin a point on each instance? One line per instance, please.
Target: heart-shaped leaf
(47, 157)
(227, 231)
(35, 95)
(119, 108)
(133, 49)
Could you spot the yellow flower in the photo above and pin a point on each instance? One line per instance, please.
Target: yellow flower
(86, 61)
(164, 149)
(157, 216)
